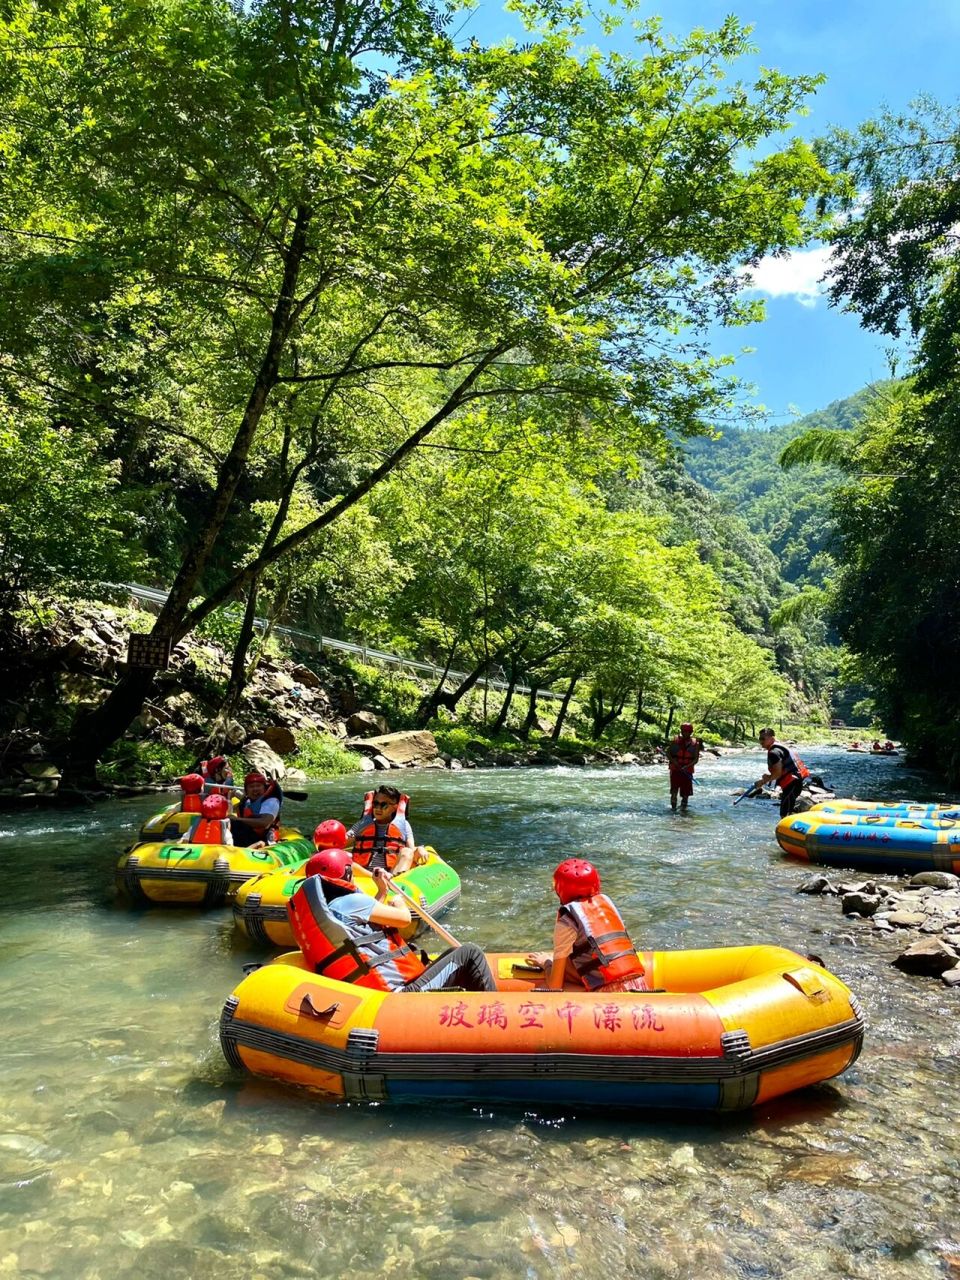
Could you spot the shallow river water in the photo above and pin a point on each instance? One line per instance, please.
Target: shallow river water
(128, 1148)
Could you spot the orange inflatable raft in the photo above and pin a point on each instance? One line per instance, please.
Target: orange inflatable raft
(724, 1029)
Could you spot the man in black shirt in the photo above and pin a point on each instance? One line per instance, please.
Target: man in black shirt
(783, 769)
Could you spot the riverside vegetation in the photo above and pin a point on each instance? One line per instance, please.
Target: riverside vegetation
(316, 314)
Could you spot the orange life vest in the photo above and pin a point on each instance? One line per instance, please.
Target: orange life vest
(367, 843)
(210, 831)
(686, 755)
(367, 955)
(603, 954)
(190, 803)
(794, 770)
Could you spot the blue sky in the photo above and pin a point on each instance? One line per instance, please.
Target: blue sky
(874, 54)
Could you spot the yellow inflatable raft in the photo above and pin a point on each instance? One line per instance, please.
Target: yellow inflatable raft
(723, 1030)
(260, 905)
(206, 875)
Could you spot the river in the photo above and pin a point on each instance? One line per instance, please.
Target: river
(128, 1148)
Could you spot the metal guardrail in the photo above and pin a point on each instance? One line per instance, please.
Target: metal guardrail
(155, 596)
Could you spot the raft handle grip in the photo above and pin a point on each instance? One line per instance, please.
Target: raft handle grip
(310, 1010)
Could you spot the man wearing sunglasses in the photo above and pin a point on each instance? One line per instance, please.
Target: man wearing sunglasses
(383, 836)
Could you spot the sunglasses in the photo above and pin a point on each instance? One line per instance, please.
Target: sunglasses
(383, 804)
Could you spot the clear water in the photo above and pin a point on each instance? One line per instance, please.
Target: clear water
(129, 1149)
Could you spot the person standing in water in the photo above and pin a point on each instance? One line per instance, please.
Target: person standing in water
(682, 756)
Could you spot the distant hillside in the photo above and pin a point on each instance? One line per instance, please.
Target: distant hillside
(785, 508)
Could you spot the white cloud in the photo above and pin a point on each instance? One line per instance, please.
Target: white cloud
(796, 276)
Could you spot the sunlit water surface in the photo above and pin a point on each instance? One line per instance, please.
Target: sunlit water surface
(129, 1148)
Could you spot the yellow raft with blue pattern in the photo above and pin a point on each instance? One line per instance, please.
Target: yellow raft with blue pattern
(723, 1030)
(872, 841)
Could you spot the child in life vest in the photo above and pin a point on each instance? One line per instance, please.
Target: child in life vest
(591, 945)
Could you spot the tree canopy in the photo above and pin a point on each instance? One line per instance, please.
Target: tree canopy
(264, 253)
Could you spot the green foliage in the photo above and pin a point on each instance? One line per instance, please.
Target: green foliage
(62, 517)
(321, 756)
(132, 762)
(789, 510)
(269, 254)
(386, 691)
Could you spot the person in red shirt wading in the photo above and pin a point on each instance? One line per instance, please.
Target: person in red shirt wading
(682, 756)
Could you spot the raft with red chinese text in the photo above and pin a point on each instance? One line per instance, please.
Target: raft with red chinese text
(723, 1029)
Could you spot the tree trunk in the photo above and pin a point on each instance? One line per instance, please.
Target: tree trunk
(669, 725)
(636, 719)
(239, 675)
(501, 721)
(429, 707)
(564, 706)
(94, 731)
(531, 716)
(603, 719)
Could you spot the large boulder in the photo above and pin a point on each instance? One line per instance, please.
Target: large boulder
(931, 958)
(279, 739)
(935, 880)
(309, 679)
(258, 755)
(362, 723)
(401, 749)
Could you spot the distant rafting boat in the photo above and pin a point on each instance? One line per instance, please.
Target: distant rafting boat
(260, 906)
(723, 1030)
(872, 841)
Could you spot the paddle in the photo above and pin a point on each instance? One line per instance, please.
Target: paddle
(750, 791)
(424, 915)
(288, 793)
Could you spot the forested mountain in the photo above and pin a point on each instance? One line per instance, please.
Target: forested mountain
(788, 510)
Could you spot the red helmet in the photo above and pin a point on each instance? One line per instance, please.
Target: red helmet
(216, 763)
(330, 834)
(214, 806)
(255, 776)
(576, 879)
(686, 728)
(191, 784)
(335, 865)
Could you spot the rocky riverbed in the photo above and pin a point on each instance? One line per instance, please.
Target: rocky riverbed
(923, 911)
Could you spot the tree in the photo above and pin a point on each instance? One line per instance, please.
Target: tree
(896, 262)
(292, 210)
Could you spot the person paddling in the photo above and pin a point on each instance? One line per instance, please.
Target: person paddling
(348, 935)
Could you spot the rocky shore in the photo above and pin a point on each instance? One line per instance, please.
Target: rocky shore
(76, 653)
(923, 910)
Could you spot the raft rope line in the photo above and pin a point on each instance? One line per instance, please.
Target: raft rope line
(613, 1068)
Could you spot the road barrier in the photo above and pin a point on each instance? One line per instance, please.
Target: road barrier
(153, 595)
